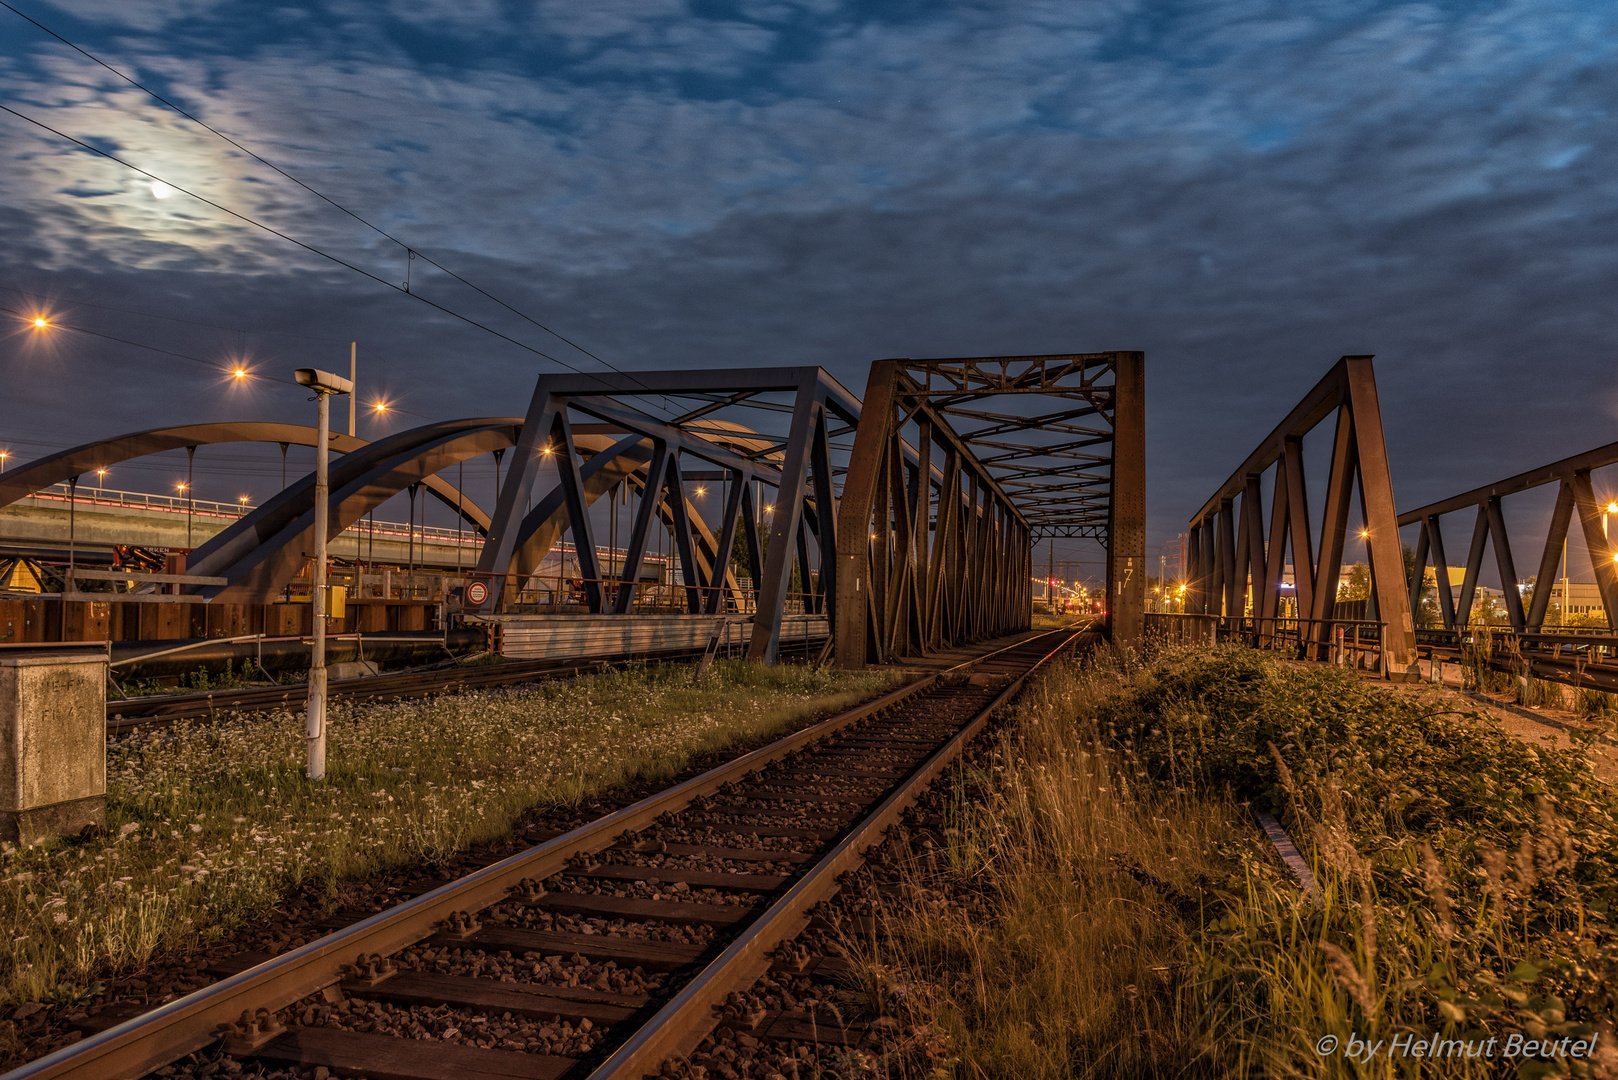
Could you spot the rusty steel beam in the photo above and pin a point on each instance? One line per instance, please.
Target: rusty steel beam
(1575, 494)
(1248, 563)
(897, 594)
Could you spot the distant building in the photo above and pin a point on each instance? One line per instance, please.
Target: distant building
(1582, 599)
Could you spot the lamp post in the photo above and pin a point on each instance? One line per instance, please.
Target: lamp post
(324, 384)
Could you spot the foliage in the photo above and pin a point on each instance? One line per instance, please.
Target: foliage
(1465, 882)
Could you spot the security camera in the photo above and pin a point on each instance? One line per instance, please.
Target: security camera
(323, 382)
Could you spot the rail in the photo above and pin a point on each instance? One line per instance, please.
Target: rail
(171, 1031)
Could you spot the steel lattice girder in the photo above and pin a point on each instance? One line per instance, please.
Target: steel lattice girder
(933, 554)
(1073, 463)
(1231, 561)
(799, 466)
(1574, 492)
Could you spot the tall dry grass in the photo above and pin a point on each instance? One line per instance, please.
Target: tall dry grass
(1075, 888)
(1107, 908)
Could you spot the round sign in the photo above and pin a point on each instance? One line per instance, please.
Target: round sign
(477, 592)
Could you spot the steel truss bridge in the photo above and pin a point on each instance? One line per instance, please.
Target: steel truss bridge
(906, 519)
(1240, 553)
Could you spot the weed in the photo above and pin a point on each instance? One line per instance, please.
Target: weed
(210, 823)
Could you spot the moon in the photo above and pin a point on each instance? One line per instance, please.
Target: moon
(161, 190)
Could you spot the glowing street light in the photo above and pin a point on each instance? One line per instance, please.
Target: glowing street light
(3, 455)
(41, 323)
(380, 406)
(238, 373)
(701, 491)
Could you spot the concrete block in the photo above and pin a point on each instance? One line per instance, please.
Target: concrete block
(53, 742)
(352, 669)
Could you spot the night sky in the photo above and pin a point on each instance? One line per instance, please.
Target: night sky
(1244, 190)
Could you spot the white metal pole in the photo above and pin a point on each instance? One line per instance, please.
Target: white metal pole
(353, 375)
(316, 729)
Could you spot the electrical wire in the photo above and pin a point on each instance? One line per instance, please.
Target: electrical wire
(187, 322)
(220, 368)
(409, 251)
(81, 144)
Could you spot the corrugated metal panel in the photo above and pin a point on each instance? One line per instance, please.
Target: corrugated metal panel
(530, 637)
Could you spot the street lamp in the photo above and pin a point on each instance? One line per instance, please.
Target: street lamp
(3, 455)
(324, 384)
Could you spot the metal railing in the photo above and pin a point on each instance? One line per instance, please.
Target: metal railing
(1357, 643)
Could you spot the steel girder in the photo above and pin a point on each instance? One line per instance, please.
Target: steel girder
(611, 461)
(1234, 568)
(104, 453)
(798, 466)
(262, 552)
(1060, 437)
(929, 555)
(1575, 492)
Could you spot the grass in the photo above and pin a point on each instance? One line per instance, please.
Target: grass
(209, 824)
(1114, 914)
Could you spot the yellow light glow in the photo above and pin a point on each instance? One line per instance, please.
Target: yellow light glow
(702, 491)
(1612, 508)
(41, 322)
(769, 508)
(1364, 533)
(546, 451)
(239, 373)
(242, 499)
(380, 406)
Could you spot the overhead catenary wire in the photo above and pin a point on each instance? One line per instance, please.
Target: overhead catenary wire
(223, 369)
(239, 216)
(410, 251)
(187, 322)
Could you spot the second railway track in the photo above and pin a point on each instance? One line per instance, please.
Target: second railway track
(604, 952)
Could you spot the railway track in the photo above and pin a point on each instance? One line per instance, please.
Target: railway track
(130, 713)
(608, 951)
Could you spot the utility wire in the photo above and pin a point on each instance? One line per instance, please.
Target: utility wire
(187, 322)
(221, 368)
(409, 251)
(296, 242)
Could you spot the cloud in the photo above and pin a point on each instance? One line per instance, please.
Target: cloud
(1245, 189)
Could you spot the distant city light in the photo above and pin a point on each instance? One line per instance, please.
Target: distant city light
(242, 499)
(380, 406)
(1364, 533)
(239, 373)
(545, 450)
(161, 190)
(41, 322)
(702, 491)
